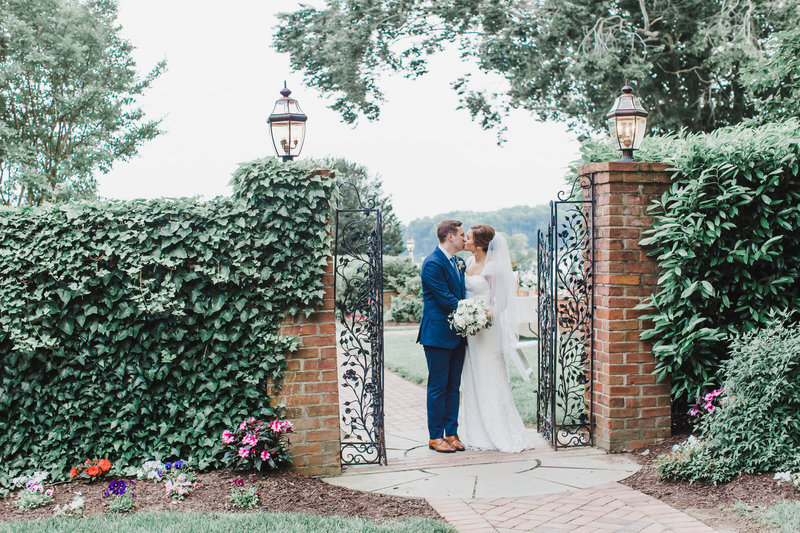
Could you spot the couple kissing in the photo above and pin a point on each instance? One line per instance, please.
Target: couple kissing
(469, 397)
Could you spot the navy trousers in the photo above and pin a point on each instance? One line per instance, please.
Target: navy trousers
(444, 380)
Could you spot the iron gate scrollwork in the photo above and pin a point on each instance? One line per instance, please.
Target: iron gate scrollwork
(565, 395)
(358, 293)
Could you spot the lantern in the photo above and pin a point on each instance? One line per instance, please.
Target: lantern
(627, 121)
(287, 126)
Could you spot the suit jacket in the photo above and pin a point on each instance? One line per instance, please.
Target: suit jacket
(442, 288)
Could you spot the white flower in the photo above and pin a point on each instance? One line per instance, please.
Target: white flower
(470, 317)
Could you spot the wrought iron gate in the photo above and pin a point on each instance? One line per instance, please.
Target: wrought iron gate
(565, 395)
(358, 293)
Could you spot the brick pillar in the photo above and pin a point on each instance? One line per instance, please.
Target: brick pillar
(631, 410)
(311, 388)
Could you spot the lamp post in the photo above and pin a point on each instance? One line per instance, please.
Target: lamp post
(287, 126)
(410, 245)
(627, 121)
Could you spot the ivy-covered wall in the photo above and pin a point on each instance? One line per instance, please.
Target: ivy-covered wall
(140, 329)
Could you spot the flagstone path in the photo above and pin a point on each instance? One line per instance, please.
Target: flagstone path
(537, 490)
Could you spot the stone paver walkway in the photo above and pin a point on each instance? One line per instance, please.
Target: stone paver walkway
(536, 490)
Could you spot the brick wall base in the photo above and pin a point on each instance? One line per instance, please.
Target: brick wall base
(632, 409)
(311, 389)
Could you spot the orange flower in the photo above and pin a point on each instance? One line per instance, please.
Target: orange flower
(104, 464)
(73, 472)
(93, 470)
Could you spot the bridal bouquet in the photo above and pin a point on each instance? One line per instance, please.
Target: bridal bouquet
(470, 317)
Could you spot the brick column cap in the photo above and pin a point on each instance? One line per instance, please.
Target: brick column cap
(618, 167)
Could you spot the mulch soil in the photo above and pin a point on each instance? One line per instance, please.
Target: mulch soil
(711, 503)
(279, 492)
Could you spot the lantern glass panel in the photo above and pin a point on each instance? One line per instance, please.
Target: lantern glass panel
(626, 132)
(612, 129)
(280, 137)
(288, 137)
(641, 127)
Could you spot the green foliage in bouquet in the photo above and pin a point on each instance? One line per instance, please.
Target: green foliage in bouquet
(143, 329)
(756, 428)
(725, 236)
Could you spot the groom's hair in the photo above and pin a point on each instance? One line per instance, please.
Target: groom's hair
(446, 227)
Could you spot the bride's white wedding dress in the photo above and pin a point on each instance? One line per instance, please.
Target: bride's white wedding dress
(488, 418)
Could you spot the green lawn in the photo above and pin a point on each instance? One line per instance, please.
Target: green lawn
(403, 356)
(177, 522)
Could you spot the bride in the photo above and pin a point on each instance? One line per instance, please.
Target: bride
(488, 419)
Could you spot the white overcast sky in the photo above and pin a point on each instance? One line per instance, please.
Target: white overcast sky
(222, 81)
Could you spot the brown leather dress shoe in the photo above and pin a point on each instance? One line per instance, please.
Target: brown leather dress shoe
(440, 445)
(456, 443)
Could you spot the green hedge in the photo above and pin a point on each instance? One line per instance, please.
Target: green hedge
(727, 242)
(141, 329)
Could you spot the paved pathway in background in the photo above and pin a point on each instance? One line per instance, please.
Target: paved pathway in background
(536, 490)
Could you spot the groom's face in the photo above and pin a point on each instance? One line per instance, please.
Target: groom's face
(457, 239)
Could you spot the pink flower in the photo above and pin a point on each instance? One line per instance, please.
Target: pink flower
(710, 407)
(264, 455)
(694, 412)
(244, 452)
(279, 426)
(227, 437)
(250, 439)
(709, 397)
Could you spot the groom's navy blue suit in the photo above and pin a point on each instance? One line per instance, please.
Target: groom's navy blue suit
(442, 288)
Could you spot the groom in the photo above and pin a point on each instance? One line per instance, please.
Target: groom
(442, 287)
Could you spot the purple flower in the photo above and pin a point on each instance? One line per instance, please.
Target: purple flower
(178, 464)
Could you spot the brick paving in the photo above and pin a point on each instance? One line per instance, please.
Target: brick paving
(482, 491)
(608, 507)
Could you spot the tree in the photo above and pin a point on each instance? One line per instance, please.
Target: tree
(776, 81)
(561, 60)
(68, 87)
(370, 189)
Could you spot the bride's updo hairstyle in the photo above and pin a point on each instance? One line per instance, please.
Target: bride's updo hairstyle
(482, 234)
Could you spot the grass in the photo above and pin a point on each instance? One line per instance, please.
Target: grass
(785, 516)
(403, 356)
(178, 522)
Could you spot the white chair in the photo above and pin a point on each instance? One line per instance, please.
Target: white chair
(527, 312)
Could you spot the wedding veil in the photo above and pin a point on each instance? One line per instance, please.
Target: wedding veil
(503, 290)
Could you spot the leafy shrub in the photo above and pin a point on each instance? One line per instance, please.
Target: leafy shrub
(706, 404)
(73, 508)
(150, 470)
(121, 496)
(243, 497)
(405, 309)
(90, 470)
(725, 235)
(407, 306)
(397, 270)
(756, 428)
(141, 329)
(33, 493)
(256, 444)
(179, 480)
(783, 517)
(792, 478)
